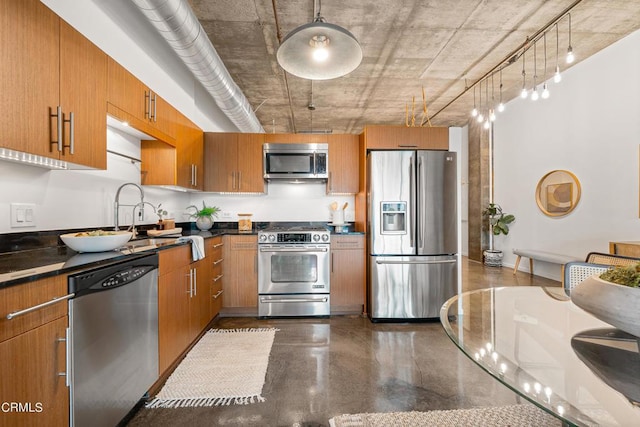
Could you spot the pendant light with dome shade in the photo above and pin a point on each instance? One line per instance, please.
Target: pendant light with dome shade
(319, 50)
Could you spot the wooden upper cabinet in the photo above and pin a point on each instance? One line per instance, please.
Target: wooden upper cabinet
(130, 100)
(47, 64)
(233, 162)
(403, 137)
(83, 91)
(343, 164)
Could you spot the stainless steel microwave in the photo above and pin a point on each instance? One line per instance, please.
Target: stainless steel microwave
(296, 161)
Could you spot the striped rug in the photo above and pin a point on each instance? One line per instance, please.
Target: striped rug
(525, 415)
(227, 366)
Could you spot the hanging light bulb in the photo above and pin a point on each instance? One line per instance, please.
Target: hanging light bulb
(556, 76)
(534, 92)
(524, 93)
(486, 124)
(570, 56)
(501, 104)
(545, 91)
(492, 115)
(474, 112)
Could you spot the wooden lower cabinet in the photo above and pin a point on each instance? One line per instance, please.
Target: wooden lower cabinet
(33, 355)
(184, 293)
(240, 270)
(215, 250)
(30, 364)
(347, 274)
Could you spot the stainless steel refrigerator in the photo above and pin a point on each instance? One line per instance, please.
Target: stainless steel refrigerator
(413, 233)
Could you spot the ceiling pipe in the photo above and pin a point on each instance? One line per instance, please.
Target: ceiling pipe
(178, 25)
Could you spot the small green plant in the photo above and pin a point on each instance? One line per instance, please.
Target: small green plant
(161, 212)
(623, 275)
(205, 211)
(498, 220)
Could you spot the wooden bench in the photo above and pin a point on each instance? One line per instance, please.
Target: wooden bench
(541, 256)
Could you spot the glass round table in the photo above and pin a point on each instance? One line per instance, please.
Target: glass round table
(538, 343)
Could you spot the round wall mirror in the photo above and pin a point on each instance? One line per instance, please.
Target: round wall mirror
(558, 193)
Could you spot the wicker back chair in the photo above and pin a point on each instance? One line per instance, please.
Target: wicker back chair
(576, 272)
(611, 259)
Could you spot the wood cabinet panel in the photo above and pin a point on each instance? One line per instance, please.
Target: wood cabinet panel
(83, 92)
(343, 162)
(402, 137)
(29, 368)
(47, 64)
(29, 75)
(125, 91)
(173, 314)
(240, 271)
(20, 297)
(233, 162)
(347, 274)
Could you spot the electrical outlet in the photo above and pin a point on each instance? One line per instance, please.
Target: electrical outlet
(23, 215)
(226, 215)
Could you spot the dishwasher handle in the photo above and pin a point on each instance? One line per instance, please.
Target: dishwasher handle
(39, 306)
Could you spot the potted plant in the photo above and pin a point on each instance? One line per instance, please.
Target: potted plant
(498, 224)
(204, 216)
(161, 213)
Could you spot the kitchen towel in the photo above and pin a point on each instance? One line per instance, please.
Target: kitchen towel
(197, 246)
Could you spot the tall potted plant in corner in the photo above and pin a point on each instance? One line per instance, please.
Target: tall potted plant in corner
(204, 216)
(498, 224)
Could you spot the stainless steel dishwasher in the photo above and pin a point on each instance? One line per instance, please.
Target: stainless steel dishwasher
(113, 339)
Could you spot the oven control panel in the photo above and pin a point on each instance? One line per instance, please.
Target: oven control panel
(294, 237)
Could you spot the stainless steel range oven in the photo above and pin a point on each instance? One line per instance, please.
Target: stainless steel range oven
(293, 273)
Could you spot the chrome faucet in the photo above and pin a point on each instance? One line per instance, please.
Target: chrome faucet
(116, 204)
(133, 223)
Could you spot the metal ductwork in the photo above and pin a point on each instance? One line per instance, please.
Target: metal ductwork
(178, 25)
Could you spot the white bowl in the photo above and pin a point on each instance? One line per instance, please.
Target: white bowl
(96, 243)
(615, 304)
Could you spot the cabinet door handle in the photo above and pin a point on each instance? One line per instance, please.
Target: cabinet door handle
(233, 180)
(218, 245)
(195, 282)
(330, 181)
(71, 122)
(155, 108)
(39, 306)
(195, 175)
(218, 277)
(216, 262)
(147, 105)
(332, 262)
(66, 374)
(190, 291)
(58, 117)
(218, 294)
(239, 180)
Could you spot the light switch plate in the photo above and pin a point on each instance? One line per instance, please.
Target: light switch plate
(23, 215)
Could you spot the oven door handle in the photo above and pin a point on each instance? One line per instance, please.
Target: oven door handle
(307, 250)
(293, 300)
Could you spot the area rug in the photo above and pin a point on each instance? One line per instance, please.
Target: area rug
(513, 415)
(227, 366)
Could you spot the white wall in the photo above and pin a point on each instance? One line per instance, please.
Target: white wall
(590, 126)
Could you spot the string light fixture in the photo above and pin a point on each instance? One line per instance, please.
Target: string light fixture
(486, 113)
(534, 92)
(557, 77)
(524, 93)
(570, 56)
(545, 90)
(474, 112)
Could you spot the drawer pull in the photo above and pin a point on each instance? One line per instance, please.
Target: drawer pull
(218, 245)
(217, 261)
(38, 307)
(218, 294)
(218, 277)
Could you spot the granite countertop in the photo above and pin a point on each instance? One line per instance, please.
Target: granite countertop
(26, 257)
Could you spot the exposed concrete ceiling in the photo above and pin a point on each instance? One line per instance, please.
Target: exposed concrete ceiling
(441, 46)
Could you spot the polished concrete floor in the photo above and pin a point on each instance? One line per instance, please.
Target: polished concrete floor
(326, 367)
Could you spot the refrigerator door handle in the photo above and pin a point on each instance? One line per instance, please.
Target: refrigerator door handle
(447, 261)
(420, 223)
(412, 200)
